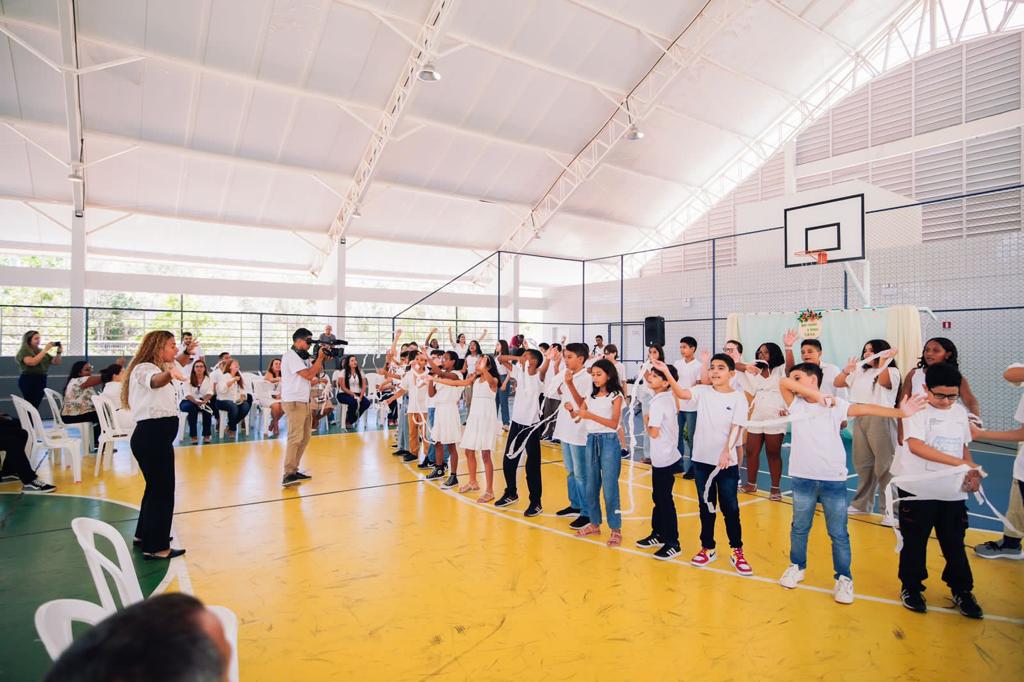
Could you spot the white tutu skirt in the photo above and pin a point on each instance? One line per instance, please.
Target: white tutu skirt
(765, 410)
(447, 425)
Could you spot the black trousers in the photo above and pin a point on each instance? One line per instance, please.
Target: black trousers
(664, 523)
(723, 496)
(31, 387)
(153, 447)
(84, 418)
(516, 435)
(13, 440)
(949, 519)
(550, 406)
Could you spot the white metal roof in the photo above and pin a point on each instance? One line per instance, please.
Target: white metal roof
(247, 119)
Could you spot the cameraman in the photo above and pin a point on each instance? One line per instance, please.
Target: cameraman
(296, 374)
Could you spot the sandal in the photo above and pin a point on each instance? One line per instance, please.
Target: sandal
(616, 539)
(775, 495)
(748, 488)
(589, 529)
(485, 498)
(469, 487)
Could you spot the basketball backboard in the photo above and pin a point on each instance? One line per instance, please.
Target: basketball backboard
(834, 226)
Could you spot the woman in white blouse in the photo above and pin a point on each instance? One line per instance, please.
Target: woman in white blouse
(231, 397)
(198, 392)
(148, 393)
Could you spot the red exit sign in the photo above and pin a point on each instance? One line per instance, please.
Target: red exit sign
(946, 324)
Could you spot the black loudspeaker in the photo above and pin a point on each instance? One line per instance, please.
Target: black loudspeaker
(654, 331)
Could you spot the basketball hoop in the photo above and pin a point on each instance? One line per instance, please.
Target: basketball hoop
(818, 257)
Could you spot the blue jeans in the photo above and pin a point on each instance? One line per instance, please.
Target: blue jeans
(832, 495)
(604, 461)
(687, 425)
(574, 457)
(403, 424)
(236, 412)
(501, 398)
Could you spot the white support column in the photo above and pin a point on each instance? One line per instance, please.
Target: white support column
(75, 344)
(515, 294)
(340, 294)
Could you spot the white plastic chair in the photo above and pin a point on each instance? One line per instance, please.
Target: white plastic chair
(54, 439)
(109, 431)
(56, 402)
(263, 399)
(127, 582)
(54, 619)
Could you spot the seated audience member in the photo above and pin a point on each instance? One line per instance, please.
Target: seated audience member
(273, 375)
(13, 440)
(113, 375)
(231, 397)
(199, 391)
(168, 638)
(78, 392)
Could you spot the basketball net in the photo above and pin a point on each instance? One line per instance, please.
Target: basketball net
(814, 258)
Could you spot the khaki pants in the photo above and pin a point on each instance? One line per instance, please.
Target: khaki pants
(417, 430)
(300, 424)
(874, 445)
(1015, 510)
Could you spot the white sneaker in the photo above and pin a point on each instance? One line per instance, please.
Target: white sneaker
(793, 576)
(853, 511)
(843, 591)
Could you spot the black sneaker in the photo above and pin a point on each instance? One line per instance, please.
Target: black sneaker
(506, 500)
(913, 600)
(8, 477)
(409, 457)
(401, 453)
(624, 454)
(651, 540)
(438, 472)
(450, 482)
(967, 605)
(688, 476)
(580, 521)
(290, 480)
(555, 441)
(532, 510)
(425, 464)
(38, 486)
(301, 476)
(667, 552)
(568, 511)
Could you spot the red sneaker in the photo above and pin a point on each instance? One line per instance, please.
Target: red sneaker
(739, 562)
(704, 557)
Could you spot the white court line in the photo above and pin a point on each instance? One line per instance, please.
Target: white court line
(682, 564)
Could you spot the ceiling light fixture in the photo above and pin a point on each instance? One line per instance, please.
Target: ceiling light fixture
(429, 73)
(357, 213)
(634, 133)
(76, 178)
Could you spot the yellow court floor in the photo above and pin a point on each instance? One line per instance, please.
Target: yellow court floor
(368, 572)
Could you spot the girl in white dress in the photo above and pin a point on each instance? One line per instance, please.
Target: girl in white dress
(447, 429)
(762, 379)
(482, 425)
(473, 356)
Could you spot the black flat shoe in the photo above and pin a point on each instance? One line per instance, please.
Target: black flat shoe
(138, 543)
(156, 557)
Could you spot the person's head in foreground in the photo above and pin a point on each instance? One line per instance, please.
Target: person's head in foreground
(169, 638)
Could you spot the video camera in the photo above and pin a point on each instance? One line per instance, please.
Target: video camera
(332, 349)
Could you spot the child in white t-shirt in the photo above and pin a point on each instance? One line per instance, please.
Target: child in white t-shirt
(1010, 546)
(528, 371)
(817, 467)
(721, 412)
(663, 429)
(414, 385)
(937, 439)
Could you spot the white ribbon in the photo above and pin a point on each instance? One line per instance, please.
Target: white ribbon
(891, 500)
(732, 444)
(631, 430)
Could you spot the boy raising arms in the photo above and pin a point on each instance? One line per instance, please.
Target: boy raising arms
(817, 467)
(937, 439)
(663, 429)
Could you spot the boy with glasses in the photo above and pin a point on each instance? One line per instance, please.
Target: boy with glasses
(937, 438)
